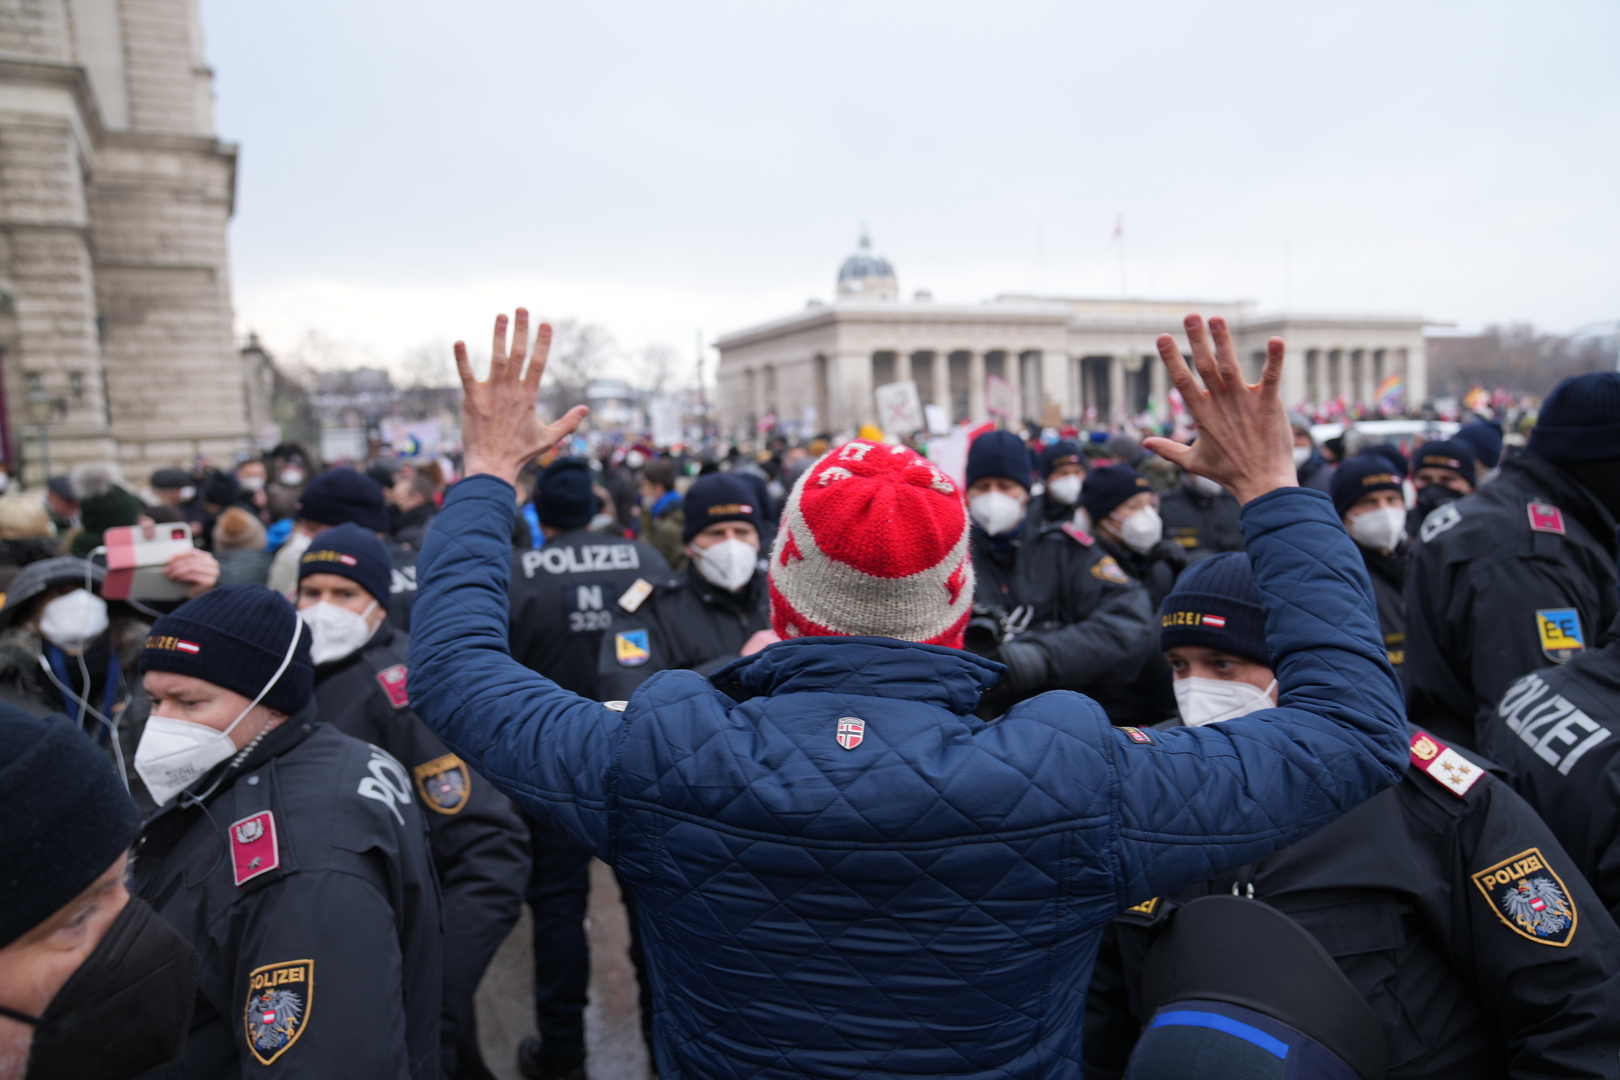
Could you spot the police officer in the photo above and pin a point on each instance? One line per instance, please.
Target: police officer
(479, 844)
(1445, 900)
(1522, 573)
(1557, 731)
(292, 857)
(1485, 436)
(1063, 473)
(1125, 519)
(1368, 497)
(1202, 517)
(343, 496)
(717, 610)
(1049, 602)
(1313, 469)
(577, 589)
(1442, 472)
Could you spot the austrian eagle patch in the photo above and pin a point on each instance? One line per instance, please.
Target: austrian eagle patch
(278, 1003)
(1530, 898)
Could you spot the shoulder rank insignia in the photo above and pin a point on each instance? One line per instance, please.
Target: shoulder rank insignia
(1545, 517)
(444, 783)
(392, 680)
(279, 998)
(1456, 773)
(1106, 569)
(1146, 907)
(1560, 631)
(1078, 535)
(1530, 898)
(254, 850)
(630, 646)
(636, 595)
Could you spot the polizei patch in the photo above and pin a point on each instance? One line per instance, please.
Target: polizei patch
(278, 1004)
(1530, 898)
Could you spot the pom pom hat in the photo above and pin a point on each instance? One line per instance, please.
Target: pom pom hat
(874, 543)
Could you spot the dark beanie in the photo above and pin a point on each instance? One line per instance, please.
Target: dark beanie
(339, 496)
(1215, 605)
(1361, 475)
(235, 636)
(1107, 487)
(221, 489)
(355, 553)
(1390, 454)
(1580, 420)
(562, 496)
(1485, 436)
(64, 818)
(715, 498)
(998, 453)
(1061, 453)
(1453, 454)
(110, 509)
(170, 480)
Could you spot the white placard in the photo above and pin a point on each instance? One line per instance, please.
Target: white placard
(900, 410)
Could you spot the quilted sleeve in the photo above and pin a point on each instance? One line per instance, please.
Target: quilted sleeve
(1191, 803)
(548, 749)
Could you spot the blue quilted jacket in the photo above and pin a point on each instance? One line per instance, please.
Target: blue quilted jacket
(929, 902)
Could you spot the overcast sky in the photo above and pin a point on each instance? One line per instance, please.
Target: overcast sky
(408, 169)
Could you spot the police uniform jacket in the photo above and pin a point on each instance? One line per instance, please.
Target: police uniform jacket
(402, 584)
(688, 624)
(571, 593)
(1157, 568)
(1093, 624)
(1501, 583)
(1388, 573)
(1557, 731)
(1203, 525)
(304, 879)
(1449, 905)
(840, 871)
(480, 846)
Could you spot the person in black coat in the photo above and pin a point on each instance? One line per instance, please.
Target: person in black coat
(291, 856)
(1445, 901)
(1522, 573)
(1314, 470)
(1368, 497)
(479, 843)
(1202, 517)
(1442, 472)
(1125, 519)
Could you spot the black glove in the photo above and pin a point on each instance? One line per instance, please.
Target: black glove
(1026, 666)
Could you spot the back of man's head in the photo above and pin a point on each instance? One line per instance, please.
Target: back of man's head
(1580, 420)
(341, 495)
(661, 473)
(873, 542)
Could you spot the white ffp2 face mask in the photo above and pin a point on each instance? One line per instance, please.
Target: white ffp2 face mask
(1142, 530)
(73, 620)
(1302, 454)
(1379, 530)
(1205, 486)
(728, 565)
(995, 512)
(335, 631)
(1208, 701)
(1066, 489)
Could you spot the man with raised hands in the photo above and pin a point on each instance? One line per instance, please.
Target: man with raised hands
(839, 869)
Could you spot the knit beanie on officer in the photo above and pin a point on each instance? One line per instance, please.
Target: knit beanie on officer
(352, 552)
(1216, 604)
(1361, 475)
(1485, 436)
(64, 818)
(1107, 487)
(873, 542)
(715, 498)
(236, 636)
(562, 496)
(342, 495)
(998, 453)
(1060, 453)
(1453, 454)
(1580, 420)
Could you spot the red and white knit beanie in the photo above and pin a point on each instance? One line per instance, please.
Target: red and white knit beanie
(873, 543)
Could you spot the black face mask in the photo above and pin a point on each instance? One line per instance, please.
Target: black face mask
(127, 1009)
(1435, 496)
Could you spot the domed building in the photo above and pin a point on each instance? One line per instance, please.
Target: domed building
(867, 276)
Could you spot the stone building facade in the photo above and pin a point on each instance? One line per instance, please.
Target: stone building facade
(1084, 360)
(115, 195)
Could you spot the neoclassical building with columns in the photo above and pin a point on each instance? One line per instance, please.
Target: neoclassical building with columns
(1081, 359)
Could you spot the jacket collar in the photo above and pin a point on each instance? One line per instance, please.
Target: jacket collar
(865, 666)
(379, 638)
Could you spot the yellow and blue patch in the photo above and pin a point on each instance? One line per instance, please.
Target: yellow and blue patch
(631, 647)
(1560, 631)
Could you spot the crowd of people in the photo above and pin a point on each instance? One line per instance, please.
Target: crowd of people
(1201, 756)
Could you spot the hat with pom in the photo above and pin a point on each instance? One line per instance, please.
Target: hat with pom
(873, 542)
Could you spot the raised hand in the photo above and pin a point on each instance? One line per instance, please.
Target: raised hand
(1244, 441)
(500, 431)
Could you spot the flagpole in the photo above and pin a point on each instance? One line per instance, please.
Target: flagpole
(1119, 234)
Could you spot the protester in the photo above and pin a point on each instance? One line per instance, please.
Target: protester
(103, 504)
(92, 982)
(1125, 519)
(26, 533)
(253, 478)
(479, 845)
(1310, 466)
(1438, 898)
(1202, 517)
(290, 855)
(62, 502)
(239, 545)
(1371, 502)
(1442, 472)
(1485, 437)
(1523, 573)
(758, 815)
(413, 501)
(1048, 601)
(172, 487)
(663, 515)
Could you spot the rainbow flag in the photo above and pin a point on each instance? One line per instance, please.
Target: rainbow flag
(1390, 393)
(1476, 400)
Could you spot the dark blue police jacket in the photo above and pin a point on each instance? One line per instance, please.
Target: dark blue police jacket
(840, 871)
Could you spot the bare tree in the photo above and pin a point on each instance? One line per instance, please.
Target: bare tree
(430, 367)
(579, 354)
(657, 372)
